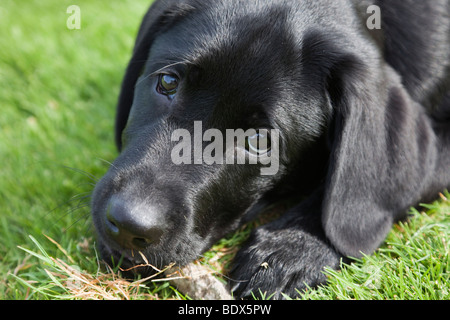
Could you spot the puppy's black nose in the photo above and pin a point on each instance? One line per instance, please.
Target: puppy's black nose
(132, 228)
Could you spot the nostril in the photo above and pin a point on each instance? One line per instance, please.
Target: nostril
(152, 237)
(141, 242)
(111, 223)
(112, 227)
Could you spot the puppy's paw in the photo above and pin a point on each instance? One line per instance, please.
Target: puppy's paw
(280, 263)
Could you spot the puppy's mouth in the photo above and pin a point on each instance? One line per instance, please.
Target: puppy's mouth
(150, 261)
(130, 263)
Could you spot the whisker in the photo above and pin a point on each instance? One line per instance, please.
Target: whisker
(80, 197)
(84, 216)
(90, 228)
(85, 173)
(71, 210)
(107, 162)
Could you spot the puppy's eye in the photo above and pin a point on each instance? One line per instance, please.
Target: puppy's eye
(167, 85)
(259, 143)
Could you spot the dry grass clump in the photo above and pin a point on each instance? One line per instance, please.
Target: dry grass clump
(68, 281)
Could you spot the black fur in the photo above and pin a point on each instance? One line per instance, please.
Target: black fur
(363, 116)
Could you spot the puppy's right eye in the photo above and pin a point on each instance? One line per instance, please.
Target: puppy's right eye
(258, 144)
(167, 85)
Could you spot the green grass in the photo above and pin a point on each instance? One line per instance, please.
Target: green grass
(414, 263)
(58, 90)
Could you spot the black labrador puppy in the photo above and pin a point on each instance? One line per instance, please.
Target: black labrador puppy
(356, 117)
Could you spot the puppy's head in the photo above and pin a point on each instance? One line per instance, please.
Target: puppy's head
(198, 71)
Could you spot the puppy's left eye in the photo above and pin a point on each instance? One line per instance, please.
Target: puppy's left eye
(259, 143)
(167, 85)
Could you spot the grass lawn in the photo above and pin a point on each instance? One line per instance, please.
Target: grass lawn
(58, 90)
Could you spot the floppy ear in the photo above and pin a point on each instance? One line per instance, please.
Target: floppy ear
(161, 15)
(383, 149)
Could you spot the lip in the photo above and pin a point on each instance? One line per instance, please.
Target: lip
(114, 257)
(129, 266)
